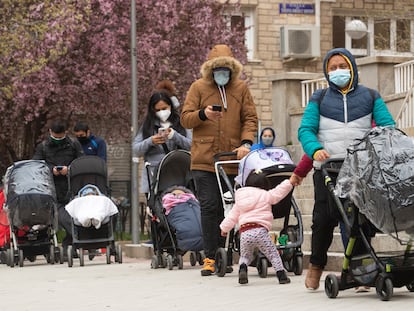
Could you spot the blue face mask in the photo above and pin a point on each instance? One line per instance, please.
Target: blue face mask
(221, 76)
(340, 77)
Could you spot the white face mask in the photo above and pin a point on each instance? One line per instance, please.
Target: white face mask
(163, 115)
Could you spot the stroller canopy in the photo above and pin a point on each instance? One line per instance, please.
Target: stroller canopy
(261, 159)
(85, 170)
(378, 177)
(173, 170)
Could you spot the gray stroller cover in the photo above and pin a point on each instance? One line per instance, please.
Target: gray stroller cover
(378, 177)
(30, 194)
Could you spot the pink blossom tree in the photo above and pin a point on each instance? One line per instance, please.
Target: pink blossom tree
(72, 61)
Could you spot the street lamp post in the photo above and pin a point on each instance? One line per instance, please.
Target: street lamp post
(134, 123)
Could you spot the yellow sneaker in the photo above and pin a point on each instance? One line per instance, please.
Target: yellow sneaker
(209, 267)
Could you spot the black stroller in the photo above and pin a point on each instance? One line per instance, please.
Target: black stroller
(180, 231)
(374, 193)
(32, 211)
(83, 171)
(278, 165)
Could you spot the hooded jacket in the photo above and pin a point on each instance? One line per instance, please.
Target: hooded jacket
(254, 205)
(341, 116)
(239, 121)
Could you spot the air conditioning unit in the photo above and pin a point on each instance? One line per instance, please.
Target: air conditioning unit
(299, 42)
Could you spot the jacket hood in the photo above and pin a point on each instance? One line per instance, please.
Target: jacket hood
(221, 56)
(352, 64)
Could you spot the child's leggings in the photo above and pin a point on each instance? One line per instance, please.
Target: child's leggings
(258, 238)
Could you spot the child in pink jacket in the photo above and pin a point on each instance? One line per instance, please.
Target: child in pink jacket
(253, 212)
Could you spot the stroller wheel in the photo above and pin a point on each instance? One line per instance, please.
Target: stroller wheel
(193, 259)
(154, 262)
(221, 262)
(262, 266)
(298, 265)
(170, 262)
(200, 258)
(60, 255)
(21, 258)
(118, 253)
(70, 256)
(51, 254)
(331, 286)
(180, 262)
(108, 255)
(81, 257)
(10, 257)
(384, 288)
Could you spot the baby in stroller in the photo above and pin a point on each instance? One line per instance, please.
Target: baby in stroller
(91, 207)
(253, 212)
(183, 214)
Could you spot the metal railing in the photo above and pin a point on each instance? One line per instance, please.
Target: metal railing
(404, 80)
(405, 117)
(310, 86)
(403, 76)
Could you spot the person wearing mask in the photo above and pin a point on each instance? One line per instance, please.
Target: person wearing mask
(91, 144)
(220, 109)
(266, 139)
(58, 151)
(160, 133)
(333, 118)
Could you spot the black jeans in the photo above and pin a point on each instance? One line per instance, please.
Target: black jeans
(65, 222)
(212, 212)
(323, 222)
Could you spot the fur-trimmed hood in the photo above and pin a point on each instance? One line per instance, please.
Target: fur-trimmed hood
(221, 56)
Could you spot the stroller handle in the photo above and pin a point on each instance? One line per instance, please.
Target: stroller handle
(219, 155)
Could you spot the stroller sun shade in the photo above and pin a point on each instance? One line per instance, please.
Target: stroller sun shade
(378, 176)
(261, 159)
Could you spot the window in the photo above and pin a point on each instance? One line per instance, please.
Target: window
(384, 36)
(245, 18)
(403, 35)
(382, 33)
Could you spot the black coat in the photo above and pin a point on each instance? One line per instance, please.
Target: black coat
(59, 154)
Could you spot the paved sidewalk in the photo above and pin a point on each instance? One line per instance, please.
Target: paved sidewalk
(133, 285)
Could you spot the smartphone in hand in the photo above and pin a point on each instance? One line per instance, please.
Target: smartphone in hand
(162, 132)
(217, 108)
(59, 168)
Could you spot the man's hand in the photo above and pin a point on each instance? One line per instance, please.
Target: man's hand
(241, 151)
(212, 114)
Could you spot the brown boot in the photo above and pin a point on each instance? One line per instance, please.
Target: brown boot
(313, 277)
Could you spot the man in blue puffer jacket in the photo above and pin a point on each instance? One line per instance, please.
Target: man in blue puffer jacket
(332, 119)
